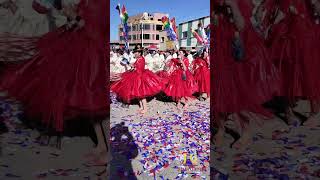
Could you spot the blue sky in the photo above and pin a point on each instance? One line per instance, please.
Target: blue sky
(182, 10)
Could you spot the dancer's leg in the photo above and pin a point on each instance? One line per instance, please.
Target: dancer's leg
(219, 121)
(144, 106)
(314, 118)
(245, 132)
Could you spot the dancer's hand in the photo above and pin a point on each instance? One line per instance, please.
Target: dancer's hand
(293, 9)
(281, 15)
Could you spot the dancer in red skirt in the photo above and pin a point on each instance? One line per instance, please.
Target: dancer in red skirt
(138, 83)
(201, 73)
(67, 77)
(314, 119)
(167, 67)
(181, 84)
(244, 78)
(313, 64)
(293, 43)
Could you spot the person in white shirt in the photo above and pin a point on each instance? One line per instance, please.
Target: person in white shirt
(156, 54)
(202, 32)
(174, 55)
(161, 56)
(156, 63)
(131, 55)
(115, 66)
(22, 19)
(168, 56)
(190, 57)
(148, 59)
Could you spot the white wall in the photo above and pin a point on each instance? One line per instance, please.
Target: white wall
(184, 27)
(206, 21)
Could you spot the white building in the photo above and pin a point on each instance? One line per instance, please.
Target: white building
(186, 38)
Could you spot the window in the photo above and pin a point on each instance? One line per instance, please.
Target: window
(134, 27)
(140, 36)
(121, 29)
(157, 37)
(147, 26)
(129, 28)
(151, 19)
(159, 27)
(121, 38)
(184, 35)
(134, 37)
(129, 37)
(159, 20)
(146, 36)
(162, 39)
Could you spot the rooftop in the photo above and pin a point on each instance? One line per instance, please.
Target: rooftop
(194, 20)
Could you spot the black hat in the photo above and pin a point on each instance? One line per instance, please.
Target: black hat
(137, 49)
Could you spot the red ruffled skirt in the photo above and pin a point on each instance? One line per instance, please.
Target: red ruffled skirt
(202, 78)
(177, 88)
(312, 64)
(294, 51)
(164, 75)
(65, 79)
(241, 86)
(137, 85)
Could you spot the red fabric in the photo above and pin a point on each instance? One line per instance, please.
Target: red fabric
(241, 86)
(67, 78)
(294, 46)
(176, 87)
(137, 84)
(164, 75)
(201, 75)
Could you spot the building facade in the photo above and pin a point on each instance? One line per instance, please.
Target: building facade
(143, 32)
(186, 38)
(165, 43)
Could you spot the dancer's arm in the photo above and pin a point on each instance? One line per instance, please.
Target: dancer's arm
(131, 66)
(280, 15)
(237, 16)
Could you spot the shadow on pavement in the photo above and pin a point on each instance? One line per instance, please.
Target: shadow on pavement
(123, 149)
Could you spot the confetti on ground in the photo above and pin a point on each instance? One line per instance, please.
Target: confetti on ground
(24, 156)
(278, 152)
(171, 145)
